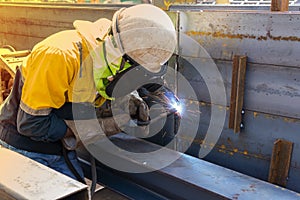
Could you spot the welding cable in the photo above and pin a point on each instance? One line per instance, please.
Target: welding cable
(71, 167)
(94, 175)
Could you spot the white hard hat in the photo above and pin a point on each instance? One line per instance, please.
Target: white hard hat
(146, 34)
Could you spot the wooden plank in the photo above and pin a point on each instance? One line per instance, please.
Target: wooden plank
(16, 54)
(280, 5)
(235, 65)
(240, 93)
(280, 162)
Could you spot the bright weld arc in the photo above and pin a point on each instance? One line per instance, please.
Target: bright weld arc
(177, 106)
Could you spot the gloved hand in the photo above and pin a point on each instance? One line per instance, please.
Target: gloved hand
(138, 109)
(125, 114)
(89, 130)
(85, 129)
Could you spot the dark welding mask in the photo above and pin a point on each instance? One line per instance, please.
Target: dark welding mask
(132, 78)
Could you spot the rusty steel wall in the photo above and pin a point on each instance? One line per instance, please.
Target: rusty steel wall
(271, 42)
(23, 25)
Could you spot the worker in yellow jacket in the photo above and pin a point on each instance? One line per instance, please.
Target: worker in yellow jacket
(76, 66)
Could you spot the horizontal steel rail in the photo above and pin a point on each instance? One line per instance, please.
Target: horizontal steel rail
(186, 178)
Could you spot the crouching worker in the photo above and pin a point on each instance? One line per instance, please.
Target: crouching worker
(73, 67)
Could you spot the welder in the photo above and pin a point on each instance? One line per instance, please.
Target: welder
(79, 67)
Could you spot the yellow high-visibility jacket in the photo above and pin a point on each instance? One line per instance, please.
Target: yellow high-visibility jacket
(60, 69)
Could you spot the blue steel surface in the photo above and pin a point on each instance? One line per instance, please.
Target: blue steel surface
(275, 93)
(114, 179)
(265, 37)
(190, 178)
(116, 182)
(250, 151)
(271, 99)
(272, 85)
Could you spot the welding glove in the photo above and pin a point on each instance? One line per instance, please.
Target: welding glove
(89, 131)
(136, 106)
(83, 126)
(139, 113)
(109, 122)
(138, 109)
(129, 113)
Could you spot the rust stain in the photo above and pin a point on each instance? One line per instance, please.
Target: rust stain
(290, 120)
(262, 38)
(35, 22)
(285, 119)
(248, 190)
(202, 103)
(212, 144)
(268, 116)
(226, 150)
(236, 196)
(220, 34)
(255, 114)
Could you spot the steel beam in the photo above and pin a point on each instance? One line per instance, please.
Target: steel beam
(186, 178)
(23, 178)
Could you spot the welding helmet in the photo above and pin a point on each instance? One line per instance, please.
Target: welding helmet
(145, 34)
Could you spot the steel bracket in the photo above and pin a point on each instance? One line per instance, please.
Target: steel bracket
(237, 93)
(280, 162)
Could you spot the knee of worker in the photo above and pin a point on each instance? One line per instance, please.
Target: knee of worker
(38, 157)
